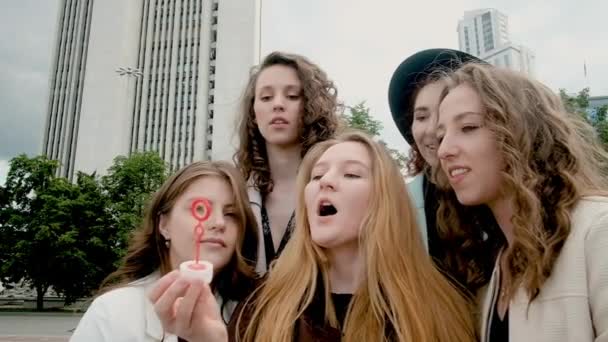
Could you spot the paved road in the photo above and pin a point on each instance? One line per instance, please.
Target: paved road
(36, 327)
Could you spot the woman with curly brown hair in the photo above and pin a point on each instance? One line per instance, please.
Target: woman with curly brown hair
(508, 144)
(414, 94)
(289, 105)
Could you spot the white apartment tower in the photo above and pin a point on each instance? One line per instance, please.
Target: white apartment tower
(141, 75)
(481, 31)
(485, 33)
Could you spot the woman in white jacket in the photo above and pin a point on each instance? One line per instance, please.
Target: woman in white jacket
(122, 312)
(507, 144)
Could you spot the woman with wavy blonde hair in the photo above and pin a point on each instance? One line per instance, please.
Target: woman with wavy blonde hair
(289, 105)
(509, 146)
(356, 268)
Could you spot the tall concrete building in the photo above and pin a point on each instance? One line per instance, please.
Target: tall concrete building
(481, 31)
(485, 33)
(141, 75)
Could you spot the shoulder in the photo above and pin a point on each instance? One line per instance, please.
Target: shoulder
(415, 189)
(115, 313)
(255, 198)
(590, 214)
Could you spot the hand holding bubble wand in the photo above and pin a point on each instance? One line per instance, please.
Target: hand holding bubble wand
(197, 268)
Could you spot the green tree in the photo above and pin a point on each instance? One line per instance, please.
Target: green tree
(579, 104)
(359, 117)
(129, 183)
(85, 251)
(25, 238)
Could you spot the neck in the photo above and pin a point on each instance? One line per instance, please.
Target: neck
(283, 162)
(503, 213)
(345, 267)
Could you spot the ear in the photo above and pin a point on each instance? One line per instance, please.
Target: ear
(162, 227)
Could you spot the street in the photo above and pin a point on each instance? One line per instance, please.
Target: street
(36, 327)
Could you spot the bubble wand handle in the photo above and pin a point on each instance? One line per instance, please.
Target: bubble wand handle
(201, 210)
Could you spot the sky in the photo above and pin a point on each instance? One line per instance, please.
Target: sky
(358, 43)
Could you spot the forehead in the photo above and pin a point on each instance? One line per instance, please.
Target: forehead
(277, 76)
(430, 93)
(462, 99)
(215, 188)
(344, 152)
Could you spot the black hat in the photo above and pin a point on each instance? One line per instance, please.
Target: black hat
(412, 71)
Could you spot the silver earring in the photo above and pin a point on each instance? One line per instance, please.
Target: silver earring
(167, 243)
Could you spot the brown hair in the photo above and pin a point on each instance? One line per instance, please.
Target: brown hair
(401, 291)
(551, 159)
(147, 252)
(319, 120)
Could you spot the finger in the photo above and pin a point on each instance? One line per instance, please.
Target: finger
(183, 317)
(161, 285)
(206, 306)
(164, 304)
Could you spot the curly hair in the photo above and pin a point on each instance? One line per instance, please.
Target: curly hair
(319, 120)
(552, 158)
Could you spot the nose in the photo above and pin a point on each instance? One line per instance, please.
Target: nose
(216, 221)
(446, 149)
(328, 181)
(278, 102)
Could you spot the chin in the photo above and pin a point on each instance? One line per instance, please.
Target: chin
(468, 200)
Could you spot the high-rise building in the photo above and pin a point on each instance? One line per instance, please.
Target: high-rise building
(482, 31)
(485, 33)
(141, 75)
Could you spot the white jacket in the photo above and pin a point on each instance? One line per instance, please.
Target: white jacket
(572, 305)
(126, 314)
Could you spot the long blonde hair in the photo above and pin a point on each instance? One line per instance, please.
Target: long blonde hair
(551, 159)
(401, 291)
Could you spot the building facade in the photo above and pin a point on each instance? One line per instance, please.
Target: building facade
(484, 33)
(148, 75)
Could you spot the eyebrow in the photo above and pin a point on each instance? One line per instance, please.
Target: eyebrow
(421, 109)
(192, 199)
(288, 87)
(346, 162)
(460, 117)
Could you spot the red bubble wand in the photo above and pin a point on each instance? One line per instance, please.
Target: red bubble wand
(201, 210)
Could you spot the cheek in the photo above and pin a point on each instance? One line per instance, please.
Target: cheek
(418, 131)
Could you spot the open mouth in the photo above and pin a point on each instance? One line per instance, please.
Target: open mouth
(278, 121)
(327, 209)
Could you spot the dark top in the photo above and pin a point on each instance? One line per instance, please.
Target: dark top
(484, 254)
(271, 254)
(311, 326)
(499, 329)
(341, 302)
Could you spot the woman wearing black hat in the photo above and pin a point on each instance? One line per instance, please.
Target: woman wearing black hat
(414, 96)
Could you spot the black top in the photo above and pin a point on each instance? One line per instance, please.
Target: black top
(499, 329)
(341, 302)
